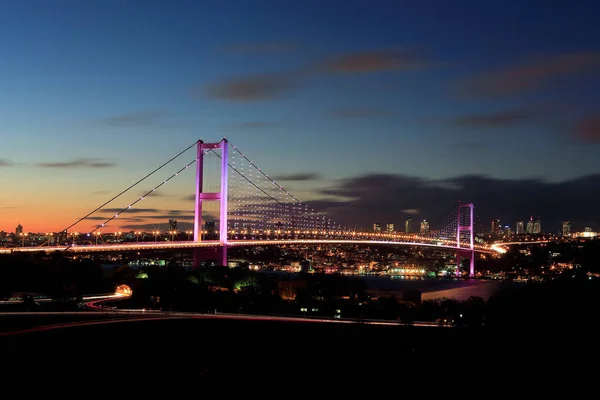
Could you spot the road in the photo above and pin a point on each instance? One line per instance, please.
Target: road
(139, 315)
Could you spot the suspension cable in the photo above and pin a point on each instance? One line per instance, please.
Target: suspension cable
(129, 188)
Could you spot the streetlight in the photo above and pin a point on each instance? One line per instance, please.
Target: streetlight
(173, 233)
(23, 236)
(73, 240)
(189, 233)
(156, 235)
(97, 234)
(137, 236)
(50, 236)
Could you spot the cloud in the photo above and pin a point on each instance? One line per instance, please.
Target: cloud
(132, 210)
(133, 119)
(411, 211)
(252, 125)
(260, 48)
(372, 61)
(78, 163)
(164, 227)
(309, 176)
(588, 130)
(251, 88)
(385, 198)
(530, 76)
(360, 113)
(5, 163)
(497, 119)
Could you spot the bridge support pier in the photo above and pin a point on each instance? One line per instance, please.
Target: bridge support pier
(216, 255)
(459, 256)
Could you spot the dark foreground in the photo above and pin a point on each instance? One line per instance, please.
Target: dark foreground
(211, 350)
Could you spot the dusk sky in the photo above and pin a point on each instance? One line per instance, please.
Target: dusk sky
(373, 110)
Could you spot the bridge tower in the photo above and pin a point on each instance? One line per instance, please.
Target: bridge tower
(220, 196)
(465, 224)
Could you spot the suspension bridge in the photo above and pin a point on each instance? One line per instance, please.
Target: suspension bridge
(255, 210)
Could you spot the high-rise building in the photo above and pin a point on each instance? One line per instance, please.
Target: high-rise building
(566, 228)
(172, 225)
(537, 226)
(529, 228)
(19, 229)
(424, 227)
(507, 231)
(496, 227)
(389, 228)
(408, 225)
(376, 227)
(520, 227)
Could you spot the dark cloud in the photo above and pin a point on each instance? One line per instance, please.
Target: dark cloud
(309, 176)
(372, 61)
(385, 198)
(163, 228)
(136, 118)
(498, 119)
(260, 48)
(5, 163)
(360, 113)
(78, 163)
(530, 76)
(588, 130)
(191, 197)
(132, 210)
(163, 213)
(166, 217)
(252, 125)
(251, 88)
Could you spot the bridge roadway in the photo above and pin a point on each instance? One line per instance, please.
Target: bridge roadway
(137, 246)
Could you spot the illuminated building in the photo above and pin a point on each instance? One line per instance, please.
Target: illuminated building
(424, 227)
(566, 228)
(19, 229)
(376, 228)
(496, 227)
(389, 228)
(408, 225)
(172, 225)
(537, 226)
(530, 225)
(520, 227)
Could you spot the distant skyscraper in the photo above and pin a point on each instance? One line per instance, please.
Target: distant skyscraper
(376, 228)
(408, 225)
(172, 225)
(496, 227)
(19, 229)
(507, 230)
(566, 228)
(520, 227)
(389, 228)
(530, 225)
(424, 227)
(537, 226)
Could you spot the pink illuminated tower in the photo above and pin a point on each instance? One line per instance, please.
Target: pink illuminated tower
(220, 196)
(465, 212)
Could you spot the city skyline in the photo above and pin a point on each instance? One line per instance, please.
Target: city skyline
(364, 111)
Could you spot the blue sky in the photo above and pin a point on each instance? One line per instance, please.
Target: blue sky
(433, 90)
